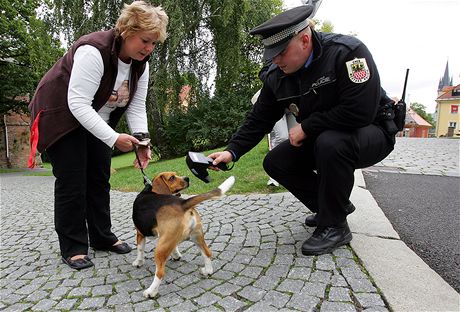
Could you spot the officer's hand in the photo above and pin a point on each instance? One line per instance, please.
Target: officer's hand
(125, 142)
(219, 157)
(296, 135)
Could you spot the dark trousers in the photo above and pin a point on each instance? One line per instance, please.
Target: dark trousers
(320, 173)
(81, 165)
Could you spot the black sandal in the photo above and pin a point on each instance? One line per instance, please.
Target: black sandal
(122, 248)
(78, 264)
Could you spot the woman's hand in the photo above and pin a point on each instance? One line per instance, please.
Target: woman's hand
(125, 142)
(145, 155)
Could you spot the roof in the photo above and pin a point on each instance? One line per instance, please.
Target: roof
(450, 93)
(412, 118)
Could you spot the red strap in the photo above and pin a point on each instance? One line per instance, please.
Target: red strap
(33, 142)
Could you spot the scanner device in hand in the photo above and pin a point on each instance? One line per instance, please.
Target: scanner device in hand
(198, 164)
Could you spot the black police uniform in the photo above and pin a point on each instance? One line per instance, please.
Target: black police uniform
(339, 102)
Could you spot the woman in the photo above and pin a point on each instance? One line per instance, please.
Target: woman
(75, 109)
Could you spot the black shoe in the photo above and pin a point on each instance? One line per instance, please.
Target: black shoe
(78, 264)
(326, 239)
(311, 221)
(122, 248)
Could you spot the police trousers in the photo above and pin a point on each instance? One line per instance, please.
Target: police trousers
(320, 173)
(81, 165)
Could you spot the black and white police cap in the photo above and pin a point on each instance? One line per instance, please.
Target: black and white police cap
(278, 31)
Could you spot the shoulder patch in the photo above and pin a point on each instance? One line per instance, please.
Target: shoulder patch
(358, 71)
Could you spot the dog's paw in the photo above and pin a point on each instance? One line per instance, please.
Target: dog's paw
(206, 271)
(138, 263)
(150, 293)
(176, 255)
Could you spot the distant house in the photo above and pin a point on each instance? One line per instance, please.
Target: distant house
(415, 126)
(448, 101)
(448, 118)
(14, 140)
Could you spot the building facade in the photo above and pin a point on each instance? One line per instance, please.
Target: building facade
(447, 115)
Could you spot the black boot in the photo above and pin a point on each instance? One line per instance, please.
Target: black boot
(327, 239)
(311, 221)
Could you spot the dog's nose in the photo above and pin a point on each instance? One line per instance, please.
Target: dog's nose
(186, 179)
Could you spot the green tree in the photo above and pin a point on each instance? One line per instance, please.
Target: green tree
(27, 51)
(421, 110)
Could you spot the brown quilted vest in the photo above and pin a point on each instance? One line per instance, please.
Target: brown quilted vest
(49, 107)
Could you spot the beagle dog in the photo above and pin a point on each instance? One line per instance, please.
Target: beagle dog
(157, 211)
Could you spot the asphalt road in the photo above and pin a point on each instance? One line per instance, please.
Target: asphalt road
(424, 211)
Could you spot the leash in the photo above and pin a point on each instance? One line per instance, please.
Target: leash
(147, 181)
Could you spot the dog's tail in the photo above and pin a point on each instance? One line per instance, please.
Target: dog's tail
(217, 192)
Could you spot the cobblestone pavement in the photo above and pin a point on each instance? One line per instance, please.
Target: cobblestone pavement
(423, 156)
(255, 241)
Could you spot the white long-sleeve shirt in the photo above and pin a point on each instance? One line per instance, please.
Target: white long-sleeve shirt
(85, 78)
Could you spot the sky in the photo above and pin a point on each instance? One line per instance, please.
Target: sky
(421, 35)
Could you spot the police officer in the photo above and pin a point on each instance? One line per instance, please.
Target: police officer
(331, 84)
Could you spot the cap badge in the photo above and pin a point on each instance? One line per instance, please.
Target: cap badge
(358, 71)
(294, 109)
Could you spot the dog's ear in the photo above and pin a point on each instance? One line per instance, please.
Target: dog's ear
(159, 186)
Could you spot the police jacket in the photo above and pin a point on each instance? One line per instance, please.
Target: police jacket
(339, 90)
(49, 109)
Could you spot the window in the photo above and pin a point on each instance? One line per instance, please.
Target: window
(454, 109)
(452, 124)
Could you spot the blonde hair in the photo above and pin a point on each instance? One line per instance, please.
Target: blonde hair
(140, 16)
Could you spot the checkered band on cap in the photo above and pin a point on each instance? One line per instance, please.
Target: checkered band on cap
(285, 33)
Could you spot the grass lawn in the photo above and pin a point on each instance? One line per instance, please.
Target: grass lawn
(249, 174)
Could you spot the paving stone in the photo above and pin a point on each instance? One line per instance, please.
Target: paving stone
(251, 271)
(60, 292)
(361, 285)
(147, 305)
(252, 293)
(320, 276)
(18, 307)
(169, 300)
(226, 289)
(79, 292)
(262, 306)
(230, 304)
(206, 299)
(314, 289)
(302, 302)
(276, 298)
(325, 263)
(302, 273)
(278, 271)
(337, 307)
(368, 300)
(66, 304)
(292, 286)
(185, 306)
(93, 281)
(339, 294)
(92, 303)
(36, 296)
(267, 282)
(102, 290)
(118, 299)
(377, 309)
(121, 308)
(242, 281)
(44, 305)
